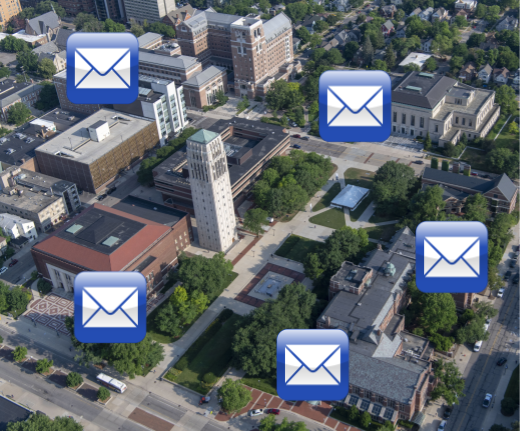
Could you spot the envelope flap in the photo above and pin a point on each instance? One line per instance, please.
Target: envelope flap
(355, 97)
(451, 248)
(102, 59)
(313, 356)
(110, 298)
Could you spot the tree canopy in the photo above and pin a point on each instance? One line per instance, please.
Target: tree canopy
(451, 383)
(18, 114)
(269, 423)
(40, 422)
(48, 98)
(234, 395)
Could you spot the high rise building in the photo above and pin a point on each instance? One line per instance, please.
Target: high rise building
(150, 10)
(8, 9)
(211, 190)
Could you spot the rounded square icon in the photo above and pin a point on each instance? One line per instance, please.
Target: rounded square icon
(102, 68)
(354, 106)
(110, 307)
(312, 364)
(451, 257)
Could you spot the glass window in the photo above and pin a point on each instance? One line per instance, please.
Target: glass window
(457, 120)
(395, 115)
(412, 120)
(422, 122)
(463, 121)
(403, 118)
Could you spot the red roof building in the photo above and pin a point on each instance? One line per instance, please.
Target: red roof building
(134, 235)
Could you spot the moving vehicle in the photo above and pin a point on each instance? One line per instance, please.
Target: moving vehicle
(3, 270)
(442, 425)
(488, 399)
(501, 361)
(501, 292)
(204, 399)
(255, 412)
(272, 411)
(111, 383)
(507, 275)
(13, 262)
(477, 346)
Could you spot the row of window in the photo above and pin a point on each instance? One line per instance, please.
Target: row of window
(404, 119)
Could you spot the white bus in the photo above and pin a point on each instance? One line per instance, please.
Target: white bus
(111, 383)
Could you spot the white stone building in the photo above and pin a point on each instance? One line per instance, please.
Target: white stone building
(211, 190)
(15, 226)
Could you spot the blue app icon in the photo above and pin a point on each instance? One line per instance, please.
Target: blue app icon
(312, 364)
(451, 257)
(355, 106)
(110, 307)
(102, 68)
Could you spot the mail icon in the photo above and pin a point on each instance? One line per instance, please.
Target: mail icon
(110, 307)
(451, 256)
(312, 364)
(102, 68)
(354, 106)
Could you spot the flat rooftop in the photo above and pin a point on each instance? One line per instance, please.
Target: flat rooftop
(33, 201)
(75, 144)
(11, 412)
(150, 210)
(479, 99)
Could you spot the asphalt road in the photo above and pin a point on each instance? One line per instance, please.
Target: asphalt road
(15, 273)
(482, 374)
(37, 385)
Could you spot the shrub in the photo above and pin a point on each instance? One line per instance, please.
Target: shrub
(43, 366)
(103, 394)
(1, 339)
(44, 287)
(182, 364)
(508, 407)
(74, 379)
(19, 353)
(298, 75)
(445, 165)
(258, 99)
(434, 163)
(227, 313)
(209, 378)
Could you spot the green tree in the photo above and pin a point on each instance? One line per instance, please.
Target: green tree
(513, 128)
(441, 343)
(503, 160)
(350, 50)
(481, 11)
(20, 78)
(46, 68)
(334, 56)
(243, 104)
(411, 67)
(109, 26)
(476, 39)
(461, 21)
(360, 18)
(161, 28)
(74, 379)
(445, 165)
(431, 64)
(390, 57)
(12, 44)
(508, 406)
(365, 419)
(473, 331)
(441, 45)
(137, 30)
(16, 299)
(4, 72)
(83, 18)
(18, 114)
(304, 35)
(168, 320)
(457, 62)
(234, 395)
(425, 205)
(48, 98)
(493, 13)
(40, 422)
(367, 50)
(28, 60)
(220, 97)
(392, 185)
(379, 65)
(43, 366)
(428, 143)
(103, 394)
(269, 423)
(19, 353)
(506, 97)
(313, 266)
(476, 208)
(255, 351)
(254, 219)
(297, 11)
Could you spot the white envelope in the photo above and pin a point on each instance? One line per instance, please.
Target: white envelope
(312, 364)
(97, 68)
(110, 307)
(451, 257)
(355, 106)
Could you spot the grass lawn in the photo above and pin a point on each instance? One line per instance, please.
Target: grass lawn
(328, 197)
(357, 212)
(268, 385)
(359, 177)
(382, 232)
(476, 159)
(210, 353)
(165, 338)
(297, 248)
(506, 139)
(333, 218)
(513, 386)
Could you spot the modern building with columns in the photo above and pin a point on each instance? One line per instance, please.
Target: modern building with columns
(138, 235)
(211, 190)
(429, 103)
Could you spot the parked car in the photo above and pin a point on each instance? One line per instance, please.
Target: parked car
(270, 219)
(305, 138)
(419, 162)
(477, 346)
(507, 275)
(474, 173)
(296, 136)
(294, 124)
(486, 326)
(447, 412)
(512, 263)
(255, 412)
(442, 425)
(501, 292)
(297, 146)
(486, 176)
(13, 262)
(3, 270)
(515, 280)
(272, 411)
(501, 361)
(488, 399)
(110, 190)
(204, 399)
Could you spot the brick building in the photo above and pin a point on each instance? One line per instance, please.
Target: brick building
(47, 24)
(259, 52)
(135, 235)
(74, 7)
(500, 192)
(93, 151)
(200, 90)
(8, 9)
(390, 369)
(178, 68)
(60, 82)
(12, 92)
(249, 145)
